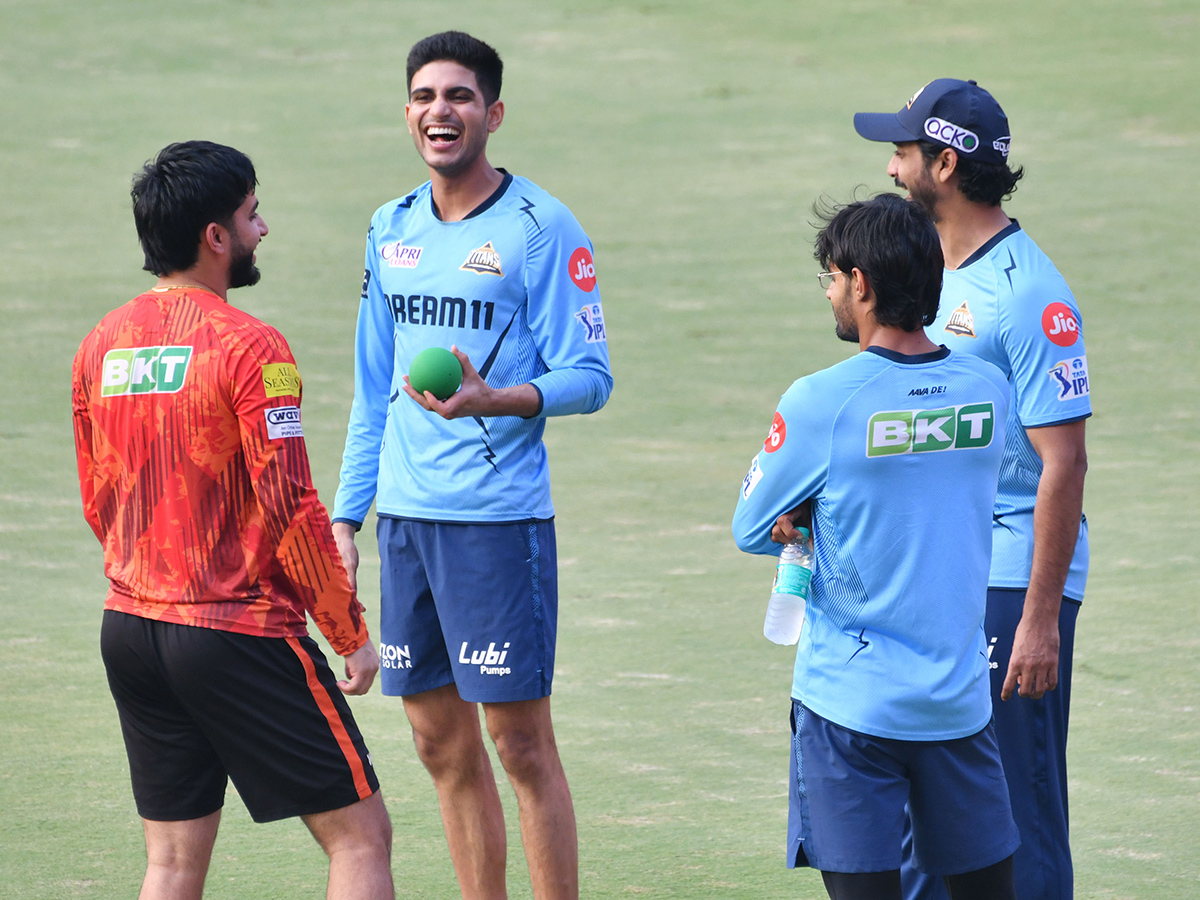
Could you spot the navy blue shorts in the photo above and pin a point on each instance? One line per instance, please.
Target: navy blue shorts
(200, 706)
(849, 791)
(1032, 736)
(474, 605)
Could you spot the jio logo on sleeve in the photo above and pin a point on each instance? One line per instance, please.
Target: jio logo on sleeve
(582, 270)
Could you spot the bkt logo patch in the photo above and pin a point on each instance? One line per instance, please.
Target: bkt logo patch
(967, 427)
(949, 133)
(283, 422)
(1071, 376)
(144, 370)
(591, 317)
(400, 257)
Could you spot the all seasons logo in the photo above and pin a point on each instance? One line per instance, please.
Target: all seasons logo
(144, 370)
(964, 427)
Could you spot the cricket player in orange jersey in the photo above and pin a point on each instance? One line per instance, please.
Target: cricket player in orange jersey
(194, 476)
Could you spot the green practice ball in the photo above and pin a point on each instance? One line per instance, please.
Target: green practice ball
(437, 371)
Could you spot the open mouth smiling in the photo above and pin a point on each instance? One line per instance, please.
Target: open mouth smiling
(442, 134)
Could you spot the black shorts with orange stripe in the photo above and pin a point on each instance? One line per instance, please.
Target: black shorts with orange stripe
(199, 706)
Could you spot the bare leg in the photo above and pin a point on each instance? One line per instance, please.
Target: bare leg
(524, 739)
(177, 857)
(358, 841)
(450, 744)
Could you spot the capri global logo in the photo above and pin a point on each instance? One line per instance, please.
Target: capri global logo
(966, 427)
(144, 370)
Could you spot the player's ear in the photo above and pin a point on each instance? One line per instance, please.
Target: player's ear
(214, 238)
(495, 115)
(944, 165)
(859, 283)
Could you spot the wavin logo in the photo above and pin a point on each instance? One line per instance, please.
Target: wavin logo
(949, 133)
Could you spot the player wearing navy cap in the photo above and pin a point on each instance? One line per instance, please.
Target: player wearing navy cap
(894, 455)
(1002, 299)
(492, 266)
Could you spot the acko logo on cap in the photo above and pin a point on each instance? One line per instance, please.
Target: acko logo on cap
(949, 133)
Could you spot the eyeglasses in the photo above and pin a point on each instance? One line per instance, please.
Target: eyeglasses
(825, 279)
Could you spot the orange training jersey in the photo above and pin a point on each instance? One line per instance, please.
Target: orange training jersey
(194, 474)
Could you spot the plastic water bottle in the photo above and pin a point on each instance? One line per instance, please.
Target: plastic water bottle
(785, 611)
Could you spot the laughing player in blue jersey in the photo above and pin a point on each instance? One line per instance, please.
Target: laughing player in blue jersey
(1004, 301)
(490, 265)
(894, 454)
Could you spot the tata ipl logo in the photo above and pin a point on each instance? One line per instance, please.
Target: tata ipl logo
(967, 427)
(144, 370)
(1071, 378)
(949, 133)
(591, 317)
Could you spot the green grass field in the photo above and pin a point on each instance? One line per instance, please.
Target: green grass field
(690, 139)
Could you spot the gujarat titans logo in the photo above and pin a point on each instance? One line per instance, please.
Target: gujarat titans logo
(591, 317)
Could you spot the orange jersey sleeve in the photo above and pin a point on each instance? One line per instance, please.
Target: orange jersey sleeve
(194, 475)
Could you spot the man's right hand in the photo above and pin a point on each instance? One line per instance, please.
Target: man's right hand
(784, 530)
(361, 668)
(343, 535)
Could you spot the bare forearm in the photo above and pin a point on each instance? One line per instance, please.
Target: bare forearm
(521, 400)
(1056, 517)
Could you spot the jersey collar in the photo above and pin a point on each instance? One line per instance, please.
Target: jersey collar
(911, 360)
(1013, 227)
(485, 205)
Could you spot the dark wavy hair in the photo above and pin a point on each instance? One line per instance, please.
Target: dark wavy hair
(179, 193)
(896, 246)
(979, 182)
(469, 52)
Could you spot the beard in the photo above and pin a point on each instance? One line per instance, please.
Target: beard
(844, 325)
(242, 271)
(922, 192)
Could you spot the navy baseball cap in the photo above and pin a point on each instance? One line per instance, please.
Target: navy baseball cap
(957, 114)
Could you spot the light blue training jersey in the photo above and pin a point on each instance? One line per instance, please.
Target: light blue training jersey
(1009, 305)
(514, 287)
(899, 455)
